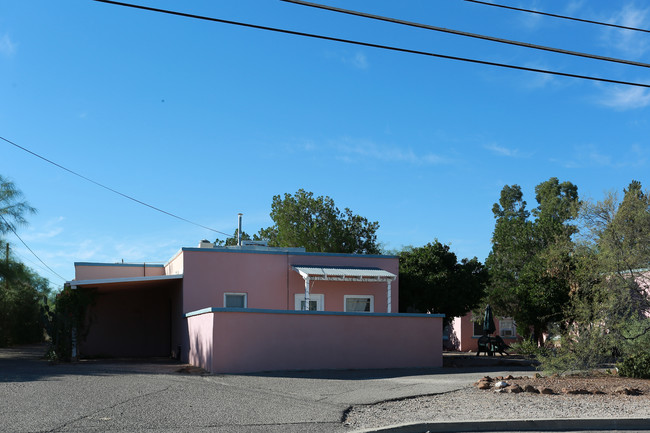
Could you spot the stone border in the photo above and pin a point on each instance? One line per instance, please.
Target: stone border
(537, 425)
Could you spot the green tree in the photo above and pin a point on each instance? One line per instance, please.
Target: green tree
(12, 207)
(21, 289)
(21, 301)
(302, 220)
(232, 241)
(432, 280)
(608, 312)
(531, 264)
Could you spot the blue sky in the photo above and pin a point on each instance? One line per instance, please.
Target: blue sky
(205, 120)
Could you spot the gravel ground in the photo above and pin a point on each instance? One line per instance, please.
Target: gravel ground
(470, 404)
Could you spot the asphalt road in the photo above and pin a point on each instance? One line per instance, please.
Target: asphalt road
(119, 396)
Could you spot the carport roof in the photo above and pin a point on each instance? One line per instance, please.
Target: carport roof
(105, 281)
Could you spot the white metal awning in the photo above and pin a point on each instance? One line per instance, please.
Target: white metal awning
(342, 273)
(334, 273)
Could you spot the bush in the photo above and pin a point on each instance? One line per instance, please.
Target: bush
(637, 365)
(527, 348)
(68, 321)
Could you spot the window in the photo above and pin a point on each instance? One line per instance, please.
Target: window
(235, 300)
(478, 328)
(359, 303)
(316, 302)
(507, 328)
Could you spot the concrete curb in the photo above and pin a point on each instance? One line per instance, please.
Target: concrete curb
(539, 425)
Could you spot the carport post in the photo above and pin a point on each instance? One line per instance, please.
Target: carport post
(389, 296)
(73, 337)
(306, 308)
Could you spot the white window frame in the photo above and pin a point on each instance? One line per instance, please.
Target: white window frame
(225, 295)
(512, 328)
(372, 302)
(319, 298)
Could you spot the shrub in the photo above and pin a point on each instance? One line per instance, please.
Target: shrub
(68, 318)
(637, 365)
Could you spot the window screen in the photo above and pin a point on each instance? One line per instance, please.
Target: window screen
(357, 305)
(235, 300)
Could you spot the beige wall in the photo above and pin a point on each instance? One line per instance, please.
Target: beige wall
(96, 271)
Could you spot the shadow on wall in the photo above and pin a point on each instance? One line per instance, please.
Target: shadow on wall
(450, 340)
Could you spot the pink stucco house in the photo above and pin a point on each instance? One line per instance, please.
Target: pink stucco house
(253, 308)
(463, 333)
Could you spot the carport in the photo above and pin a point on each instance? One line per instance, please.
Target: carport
(132, 317)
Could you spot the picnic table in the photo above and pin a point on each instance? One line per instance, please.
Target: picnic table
(490, 345)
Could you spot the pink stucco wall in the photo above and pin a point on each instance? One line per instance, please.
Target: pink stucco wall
(201, 333)
(95, 271)
(269, 281)
(463, 328)
(249, 341)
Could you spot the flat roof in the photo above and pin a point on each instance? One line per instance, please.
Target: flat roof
(101, 281)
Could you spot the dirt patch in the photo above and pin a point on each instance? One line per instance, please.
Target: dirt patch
(595, 384)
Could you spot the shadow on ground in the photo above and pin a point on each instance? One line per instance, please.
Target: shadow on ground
(26, 363)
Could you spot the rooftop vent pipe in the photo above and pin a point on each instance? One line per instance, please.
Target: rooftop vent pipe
(239, 215)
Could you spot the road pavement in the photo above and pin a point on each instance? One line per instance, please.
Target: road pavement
(160, 395)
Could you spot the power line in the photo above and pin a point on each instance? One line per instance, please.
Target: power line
(582, 20)
(30, 250)
(385, 47)
(111, 189)
(27, 259)
(470, 35)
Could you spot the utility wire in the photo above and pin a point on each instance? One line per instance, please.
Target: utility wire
(35, 264)
(30, 250)
(467, 34)
(600, 23)
(111, 189)
(372, 45)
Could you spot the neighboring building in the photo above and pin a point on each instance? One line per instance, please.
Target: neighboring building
(244, 309)
(463, 332)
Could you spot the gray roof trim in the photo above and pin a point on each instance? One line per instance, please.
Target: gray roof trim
(75, 283)
(311, 313)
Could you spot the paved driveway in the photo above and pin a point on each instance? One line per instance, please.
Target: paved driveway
(154, 396)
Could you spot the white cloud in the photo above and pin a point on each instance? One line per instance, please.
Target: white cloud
(45, 231)
(589, 156)
(355, 150)
(357, 60)
(573, 7)
(629, 42)
(627, 98)
(7, 46)
(503, 151)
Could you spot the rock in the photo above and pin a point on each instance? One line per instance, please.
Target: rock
(544, 390)
(622, 390)
(531, 389)
(575, 391)
(499, 378)
(515, 389)
(508, 377)
(501, 384)
(483, 385)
